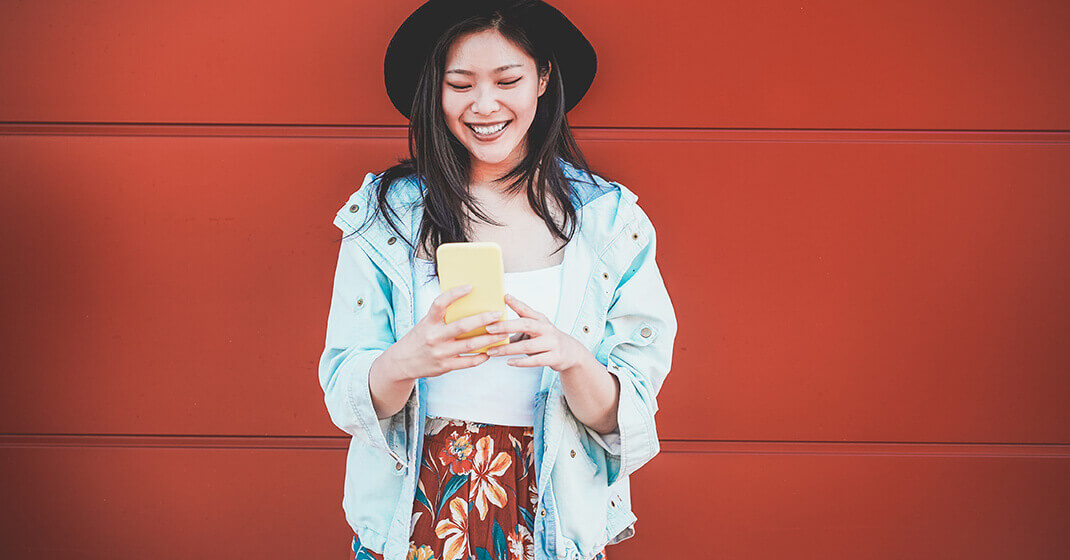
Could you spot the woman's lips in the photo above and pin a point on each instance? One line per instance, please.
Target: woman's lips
(488, 137)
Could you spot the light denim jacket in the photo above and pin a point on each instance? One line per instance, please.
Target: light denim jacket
(613, 300)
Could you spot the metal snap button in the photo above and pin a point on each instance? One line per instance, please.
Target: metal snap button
(612, 503)
(354, 208)
(543, 512)
(391, 240)
(585, 329)
(605, 275)
(360, 302)
(645, 332)
(399, 466)
(635, 236)
(572, 452)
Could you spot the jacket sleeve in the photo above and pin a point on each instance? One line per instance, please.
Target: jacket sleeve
(640, 332)
(358, 331)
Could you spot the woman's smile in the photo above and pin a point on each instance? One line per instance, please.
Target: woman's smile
(488, 133)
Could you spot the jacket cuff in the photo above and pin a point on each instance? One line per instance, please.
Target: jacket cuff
(610, 442)
(635, 424)
(389, 434)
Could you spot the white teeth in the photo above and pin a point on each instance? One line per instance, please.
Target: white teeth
(488, 129)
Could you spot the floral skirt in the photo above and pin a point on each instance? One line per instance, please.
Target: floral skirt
(476, 495)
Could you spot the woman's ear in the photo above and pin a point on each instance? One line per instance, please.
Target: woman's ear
(544, 79)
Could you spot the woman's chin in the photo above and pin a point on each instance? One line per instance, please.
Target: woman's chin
(489, 157)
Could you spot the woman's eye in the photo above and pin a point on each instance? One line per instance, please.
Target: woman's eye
(462, 88)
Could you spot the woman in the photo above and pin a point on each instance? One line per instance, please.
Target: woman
(523, 451)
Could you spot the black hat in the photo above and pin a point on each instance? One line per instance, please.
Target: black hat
(417, 35)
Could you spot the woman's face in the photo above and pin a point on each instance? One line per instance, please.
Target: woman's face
(489, 81)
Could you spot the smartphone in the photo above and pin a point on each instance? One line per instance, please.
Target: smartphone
(478, 263)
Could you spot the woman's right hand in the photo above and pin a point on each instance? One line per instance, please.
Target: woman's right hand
(431, 347)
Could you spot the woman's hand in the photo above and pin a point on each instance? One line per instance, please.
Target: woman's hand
(542, 341)
(431, 347)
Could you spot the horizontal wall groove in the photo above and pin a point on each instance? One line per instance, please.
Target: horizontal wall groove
(913, 449)
(737, 447)
(174, 441)
(609, 134)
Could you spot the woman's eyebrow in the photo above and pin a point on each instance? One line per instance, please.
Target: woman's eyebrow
(469, 73)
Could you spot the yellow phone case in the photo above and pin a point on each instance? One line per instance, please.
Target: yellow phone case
(478, 263)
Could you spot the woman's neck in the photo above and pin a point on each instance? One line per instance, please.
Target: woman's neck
(481, 179)
(482, 174)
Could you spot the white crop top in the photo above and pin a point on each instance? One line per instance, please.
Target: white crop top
(493, 391)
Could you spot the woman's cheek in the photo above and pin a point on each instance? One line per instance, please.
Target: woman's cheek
(450, 103)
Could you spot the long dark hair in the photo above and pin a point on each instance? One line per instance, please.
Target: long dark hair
(442, 162)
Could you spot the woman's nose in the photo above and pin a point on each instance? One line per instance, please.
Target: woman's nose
(486, 103)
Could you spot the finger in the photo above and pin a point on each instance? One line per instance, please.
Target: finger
(504, 326)
(461, 362)
(522, 309)
(467, 345)
(529, 346)
(520, 328)
(528, 361)
(520, 324)
(471, 322)
(445, 332)
(443, 300)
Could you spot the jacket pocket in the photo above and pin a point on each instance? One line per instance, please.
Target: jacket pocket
(582, 498)
(372, 490)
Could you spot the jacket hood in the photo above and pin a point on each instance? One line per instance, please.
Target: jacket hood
(607, 205)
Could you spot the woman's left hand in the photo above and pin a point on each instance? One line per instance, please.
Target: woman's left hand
(542, 341)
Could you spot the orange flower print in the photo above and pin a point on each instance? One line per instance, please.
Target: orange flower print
(484, 476)
(422, 553)
(455, 531)
(457, 454)
(521, 545)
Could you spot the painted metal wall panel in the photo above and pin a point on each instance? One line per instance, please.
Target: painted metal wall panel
(913, 64)
(861, 212)
(191, 499)
(873, 290)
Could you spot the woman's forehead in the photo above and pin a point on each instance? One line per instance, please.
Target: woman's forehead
(486, 52)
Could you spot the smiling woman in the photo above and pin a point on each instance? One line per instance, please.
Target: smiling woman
(456, 454)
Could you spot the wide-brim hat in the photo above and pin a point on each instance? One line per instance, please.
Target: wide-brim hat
(415, 38)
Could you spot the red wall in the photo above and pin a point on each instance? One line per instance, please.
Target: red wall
(862, 215)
